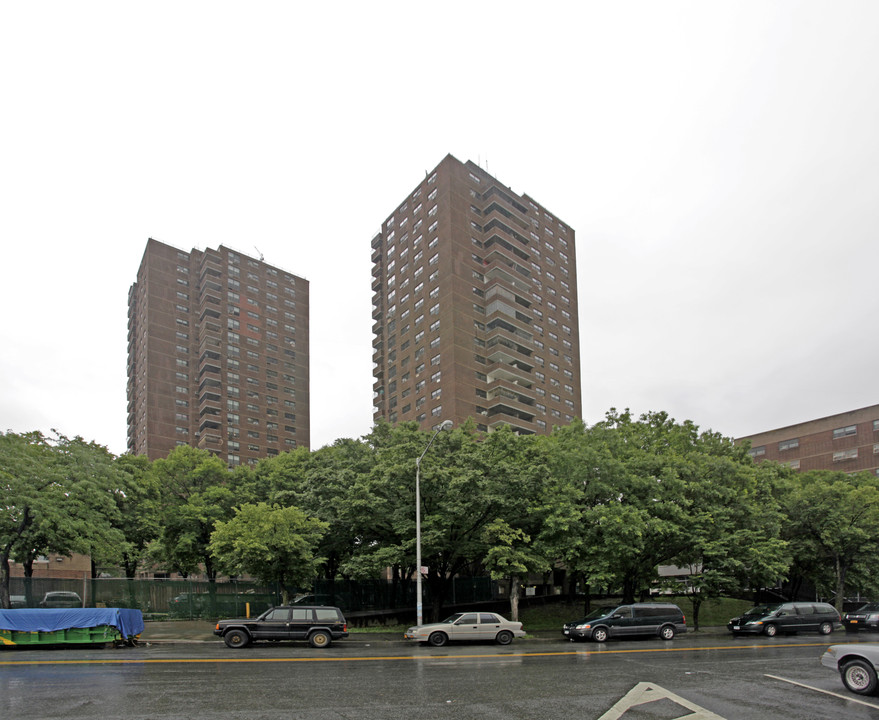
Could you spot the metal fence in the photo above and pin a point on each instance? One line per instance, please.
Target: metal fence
(185, 599)
(191, 599)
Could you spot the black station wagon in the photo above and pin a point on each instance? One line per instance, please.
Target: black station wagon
(318, 624)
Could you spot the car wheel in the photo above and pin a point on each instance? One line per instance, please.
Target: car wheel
(770, 630)
(826, 628)
(437, 639)
(667, 632)
(504, 637)
(859, 677)
(236, 639)
(599, 634)
(320, 639)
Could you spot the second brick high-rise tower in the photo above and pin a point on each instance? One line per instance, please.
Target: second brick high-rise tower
(475, 307)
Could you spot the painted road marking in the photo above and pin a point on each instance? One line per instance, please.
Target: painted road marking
(644, 693)
(421, 658)
(825, 692)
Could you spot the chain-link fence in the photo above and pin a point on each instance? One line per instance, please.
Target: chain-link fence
(185, 599)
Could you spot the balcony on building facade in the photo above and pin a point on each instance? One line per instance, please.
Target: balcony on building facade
(519, 425)
(494, 211)
(209, 312)
(210, 268)
(501, 290)
(502, 315)
(509, 372)
(209, 422)
(499, 339)
(496, 194)
(210, 440)
(499, 226)
(498, 259)
(512, 393)
(506, 247)
(509, 277)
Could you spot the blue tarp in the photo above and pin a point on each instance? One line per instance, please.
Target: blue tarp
(128, 622)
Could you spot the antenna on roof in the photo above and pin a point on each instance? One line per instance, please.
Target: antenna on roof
(260, 254)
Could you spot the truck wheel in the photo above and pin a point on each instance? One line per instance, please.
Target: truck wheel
(236, 639)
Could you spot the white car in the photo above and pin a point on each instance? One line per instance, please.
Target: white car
(856, 664)
(467, 626)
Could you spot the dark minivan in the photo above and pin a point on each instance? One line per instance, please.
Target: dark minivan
(661, 619)
(786, 618)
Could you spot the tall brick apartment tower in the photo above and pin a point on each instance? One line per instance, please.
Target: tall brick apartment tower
(475, 307)
(217, 355)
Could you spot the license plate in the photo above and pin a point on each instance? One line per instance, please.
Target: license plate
(853, 622)
(567, 632)
(736, 627)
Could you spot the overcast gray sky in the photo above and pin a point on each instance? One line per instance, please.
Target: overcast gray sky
(719, 163)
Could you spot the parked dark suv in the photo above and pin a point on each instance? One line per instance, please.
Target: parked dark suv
(319, 624)
(662, 619)
(786, 618)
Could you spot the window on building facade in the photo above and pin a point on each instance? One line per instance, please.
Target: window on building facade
(845, 431)
(841, 455)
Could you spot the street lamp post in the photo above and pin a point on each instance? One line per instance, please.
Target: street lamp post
(444, 425)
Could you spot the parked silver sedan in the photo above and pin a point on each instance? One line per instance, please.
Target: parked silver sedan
(856, 664)
(467, 626)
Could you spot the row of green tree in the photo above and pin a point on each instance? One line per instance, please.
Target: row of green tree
(608, 503)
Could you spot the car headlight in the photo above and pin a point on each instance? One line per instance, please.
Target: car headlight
(583, 627)
(754, 622)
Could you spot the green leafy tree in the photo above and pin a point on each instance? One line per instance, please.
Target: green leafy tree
(275, 544)
(57, 499)
(195, 491)
(320, 483)
(833, 526)
(457, 504)
(735, 523)
(139, 520)
(651, 492)
(516, 543)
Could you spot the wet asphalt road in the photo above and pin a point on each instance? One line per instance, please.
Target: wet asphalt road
(359, 680)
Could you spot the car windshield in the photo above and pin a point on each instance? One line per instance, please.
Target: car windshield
(762, 609)
(869, 607)
(600, 612)
(451, 618)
